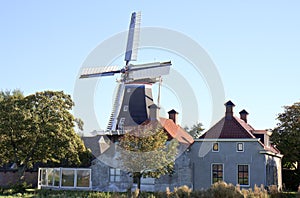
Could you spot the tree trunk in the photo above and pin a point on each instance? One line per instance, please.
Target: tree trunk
(21, 174)
(138, 178)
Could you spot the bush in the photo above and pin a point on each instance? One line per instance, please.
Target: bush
(223, 190)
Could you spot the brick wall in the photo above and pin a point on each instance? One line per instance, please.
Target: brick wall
(11, 177)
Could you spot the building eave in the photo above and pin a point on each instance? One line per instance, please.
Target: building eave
(271, 153)
(228, 140)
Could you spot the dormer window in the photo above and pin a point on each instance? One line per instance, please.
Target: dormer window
(215, 147)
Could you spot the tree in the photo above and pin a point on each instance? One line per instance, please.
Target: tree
(38, 128)
(146, 152)
(286, 135)
(196, 130)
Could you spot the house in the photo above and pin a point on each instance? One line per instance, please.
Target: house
(231, 151)
(234, 152)
(107, 172)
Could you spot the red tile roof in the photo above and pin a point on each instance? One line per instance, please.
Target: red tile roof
(176, 131)
(173, 130)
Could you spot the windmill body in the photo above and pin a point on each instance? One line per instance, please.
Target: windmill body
(134, 90)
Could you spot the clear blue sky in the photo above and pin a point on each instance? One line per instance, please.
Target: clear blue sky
(255, 45)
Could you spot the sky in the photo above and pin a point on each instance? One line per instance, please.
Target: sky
(254, 47)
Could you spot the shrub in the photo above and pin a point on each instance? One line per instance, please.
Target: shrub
(223, 190)
(182, 192)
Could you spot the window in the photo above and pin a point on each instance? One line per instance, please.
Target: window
(121, 123)
(240, 147)
(83, 178)
(243, 175)
(67, 177)
(114, 175)
(125, 108)
(215, 147)
(217, 173)
(64, 178)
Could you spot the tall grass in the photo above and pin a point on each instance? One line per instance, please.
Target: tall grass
(217, 190)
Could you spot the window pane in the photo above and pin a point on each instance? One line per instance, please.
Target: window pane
(56, 176)
(240, 147)
(217, 172)
(112, 171)
(50, 176)
(67, 178)
(216, 147)
(44, 176)
(83, 178)
(243, 174)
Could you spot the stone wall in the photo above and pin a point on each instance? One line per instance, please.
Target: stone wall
(182, 175)
(101, 181)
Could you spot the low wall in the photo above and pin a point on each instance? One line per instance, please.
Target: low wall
(11, 177)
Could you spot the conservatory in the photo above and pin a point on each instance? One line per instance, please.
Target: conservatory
(64, 178)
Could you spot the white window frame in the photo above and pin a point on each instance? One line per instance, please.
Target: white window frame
(114, 175)
(213, 147)
(237, 146)
(237, 171)
(212, 174)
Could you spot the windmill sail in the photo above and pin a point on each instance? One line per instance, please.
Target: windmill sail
(88, 72)
(133, 37)
(150, 70)
(112, 123)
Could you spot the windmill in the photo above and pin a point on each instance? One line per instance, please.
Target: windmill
(134, 91)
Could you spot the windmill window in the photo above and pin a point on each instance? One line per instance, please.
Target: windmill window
(122, 120)
(215, 147)
(121, 123)
(125, 108)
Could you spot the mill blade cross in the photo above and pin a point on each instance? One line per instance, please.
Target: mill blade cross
(134, 92)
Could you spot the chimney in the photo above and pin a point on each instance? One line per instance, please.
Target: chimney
(229, 113)
(173, 115)
(153, 112)
(243, 115)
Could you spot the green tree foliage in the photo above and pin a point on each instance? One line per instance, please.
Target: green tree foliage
(39, 128)
(196, 130)
(287, 137)
(146, 152)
